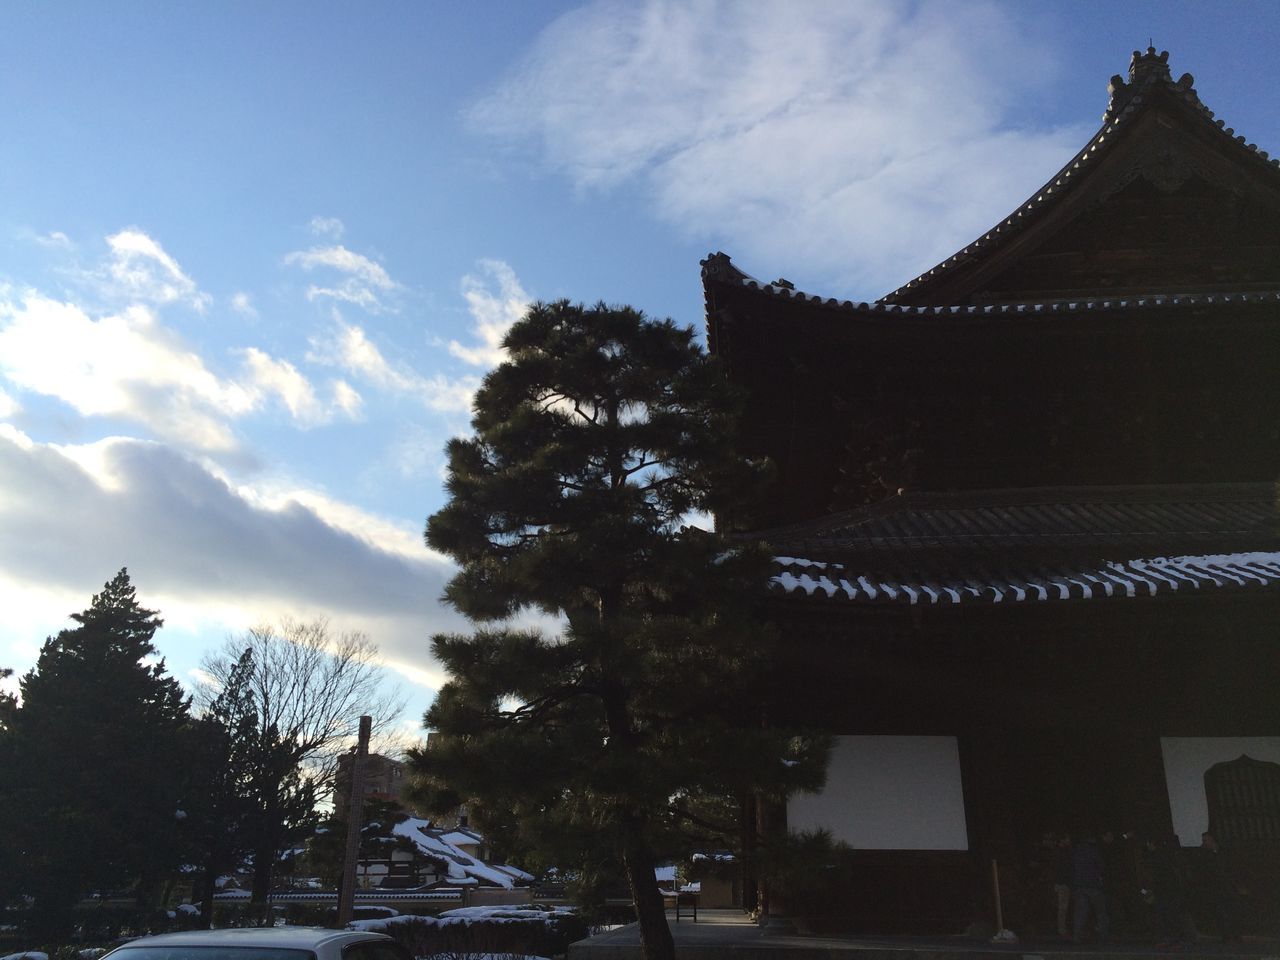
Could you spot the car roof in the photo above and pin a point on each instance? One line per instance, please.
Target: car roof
(295, 938)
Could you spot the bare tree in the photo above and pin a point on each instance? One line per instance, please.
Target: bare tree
(309, 686)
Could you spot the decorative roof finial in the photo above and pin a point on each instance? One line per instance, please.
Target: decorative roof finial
(1145, 67)
(1144, 70)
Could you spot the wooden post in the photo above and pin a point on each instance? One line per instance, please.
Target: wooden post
(355, 812)
(995, 883)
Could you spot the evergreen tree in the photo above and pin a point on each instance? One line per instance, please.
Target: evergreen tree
(97, 741)
(8, 702)
(594, 444)
(222, 744)
(8, 849)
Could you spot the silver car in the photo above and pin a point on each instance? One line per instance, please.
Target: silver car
(263, 943)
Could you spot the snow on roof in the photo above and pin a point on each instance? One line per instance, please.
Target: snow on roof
(514, 871)
(462, 835)
(459, 866)
(1128, 578)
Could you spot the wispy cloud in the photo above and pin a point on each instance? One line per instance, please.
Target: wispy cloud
(242, 303)
(492, 312)
(140, 270)
(55, 239)
(128, 365)
(349, 348)
(267, 376)
(330, 227)
(859, 141)
(363, 282)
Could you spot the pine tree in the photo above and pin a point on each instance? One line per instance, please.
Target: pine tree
(97, 741)
(594, 445)
(8, 784)
(219, 802)
(8, 702)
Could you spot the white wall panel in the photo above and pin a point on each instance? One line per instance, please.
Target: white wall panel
(889, 793)
(1185, 761)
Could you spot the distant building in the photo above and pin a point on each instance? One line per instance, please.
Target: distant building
(383, 779)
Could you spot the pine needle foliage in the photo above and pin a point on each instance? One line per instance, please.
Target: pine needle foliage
(97, 803)
(593, 445)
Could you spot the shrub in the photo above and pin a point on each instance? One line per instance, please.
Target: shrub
(435, 936)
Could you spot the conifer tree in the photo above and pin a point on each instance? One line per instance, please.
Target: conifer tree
(8, 702)
(222, 744)
(594, 444)
(97, 739)
(8, 827)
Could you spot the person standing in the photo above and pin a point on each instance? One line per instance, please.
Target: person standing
(1216, 888)
(1062, 880)
(1169, 890)
(1087, 888)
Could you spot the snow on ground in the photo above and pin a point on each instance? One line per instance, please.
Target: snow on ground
(28, 955)
(510, 911)
(465, 916)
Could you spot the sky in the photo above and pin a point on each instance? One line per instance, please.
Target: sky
(255, 258)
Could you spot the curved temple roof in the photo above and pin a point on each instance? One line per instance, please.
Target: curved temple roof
(1149, 82)
(718, 266)
(1035, 545)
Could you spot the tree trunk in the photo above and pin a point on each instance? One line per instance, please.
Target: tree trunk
(206, 896)
(655, 933)
(263, 862)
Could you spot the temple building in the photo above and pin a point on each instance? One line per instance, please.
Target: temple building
(1025, 519)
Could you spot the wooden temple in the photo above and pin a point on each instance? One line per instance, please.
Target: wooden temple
(1026, 524)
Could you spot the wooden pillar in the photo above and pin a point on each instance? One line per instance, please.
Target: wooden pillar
(355, 814)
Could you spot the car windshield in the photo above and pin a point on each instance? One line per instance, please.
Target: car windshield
(219, 952)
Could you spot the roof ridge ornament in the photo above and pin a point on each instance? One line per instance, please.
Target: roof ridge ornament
(1145, 69)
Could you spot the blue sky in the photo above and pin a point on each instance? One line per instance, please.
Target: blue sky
(255, 257)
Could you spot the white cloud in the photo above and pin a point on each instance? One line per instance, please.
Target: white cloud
(267, 376)
(198, 677)
(493, 312)
(351, 350)
(204, 551)
(346, 399)
(124, 364)
(242, 303)
(141, 270)
(862, 141)
(330, 227)
(128, 365)
(8, 406)
(365, 281)
(55, 239)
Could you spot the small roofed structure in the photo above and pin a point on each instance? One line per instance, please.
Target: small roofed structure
(1025, 518)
